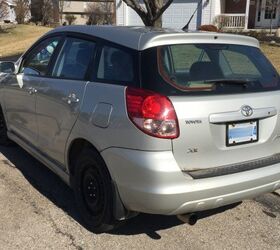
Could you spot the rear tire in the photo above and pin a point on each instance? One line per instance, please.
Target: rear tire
(4, 140)
(94, 192)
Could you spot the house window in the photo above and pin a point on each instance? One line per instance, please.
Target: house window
(259, 11)
(270, 10)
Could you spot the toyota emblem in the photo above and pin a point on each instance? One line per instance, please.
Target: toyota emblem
(246, 110)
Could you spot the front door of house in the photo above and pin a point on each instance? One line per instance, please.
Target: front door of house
(268, 13)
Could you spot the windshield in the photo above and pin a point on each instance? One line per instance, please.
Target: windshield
(208, 68)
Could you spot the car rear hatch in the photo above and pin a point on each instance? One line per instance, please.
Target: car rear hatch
(226, 98)
(216, 132)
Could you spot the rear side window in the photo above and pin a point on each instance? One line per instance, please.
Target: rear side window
(74, 59)
(37, 62)
(115, 65)
(207, 68)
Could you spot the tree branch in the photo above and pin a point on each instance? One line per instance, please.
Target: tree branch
(153, 11)
(148, 7)
(134, 4)
(160, 11)
(157, 4)
(3, 9)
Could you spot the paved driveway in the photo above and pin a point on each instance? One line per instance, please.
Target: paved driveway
(37, 211)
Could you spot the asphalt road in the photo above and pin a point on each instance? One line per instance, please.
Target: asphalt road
(37, 211)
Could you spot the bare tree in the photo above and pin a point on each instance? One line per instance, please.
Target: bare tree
(151, 11)
(61, 4)
(22, 8)
(100, 13)
(272, 6)
(3, 9)
(36, 11)
(47, 12)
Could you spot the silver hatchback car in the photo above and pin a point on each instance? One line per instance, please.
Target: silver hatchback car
(147, 120)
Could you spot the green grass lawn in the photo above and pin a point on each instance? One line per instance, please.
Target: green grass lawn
(15, 41)
(273, 54)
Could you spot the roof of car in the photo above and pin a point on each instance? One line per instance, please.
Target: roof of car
(140, 38)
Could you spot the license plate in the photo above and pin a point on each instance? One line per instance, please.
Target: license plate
(242, 132)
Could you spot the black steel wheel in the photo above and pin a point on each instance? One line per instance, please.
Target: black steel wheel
(94, 192)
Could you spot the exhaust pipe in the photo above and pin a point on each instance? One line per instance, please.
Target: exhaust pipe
(191, 219)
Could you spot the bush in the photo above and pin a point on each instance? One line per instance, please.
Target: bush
(208, 27)
(70, 19)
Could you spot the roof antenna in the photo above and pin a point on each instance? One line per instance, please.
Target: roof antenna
(186, 27)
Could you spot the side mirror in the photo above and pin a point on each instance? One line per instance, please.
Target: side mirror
(7, 67)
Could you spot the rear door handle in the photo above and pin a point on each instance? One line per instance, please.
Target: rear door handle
(71, 98)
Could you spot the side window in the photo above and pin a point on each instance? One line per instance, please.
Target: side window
(37, 62)
(74, 59)
(115, 65)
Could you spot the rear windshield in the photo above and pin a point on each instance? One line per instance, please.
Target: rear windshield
(207, 68)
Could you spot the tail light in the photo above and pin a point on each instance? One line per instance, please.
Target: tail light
(152, 113)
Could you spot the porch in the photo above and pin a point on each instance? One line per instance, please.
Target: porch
(248, 14)
(231, 21)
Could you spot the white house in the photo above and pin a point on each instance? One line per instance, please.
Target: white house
(11, 16)
(79, 8)
(242, 14)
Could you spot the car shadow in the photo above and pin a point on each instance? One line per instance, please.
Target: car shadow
(41, 178)
(150, 224)
(53, 188)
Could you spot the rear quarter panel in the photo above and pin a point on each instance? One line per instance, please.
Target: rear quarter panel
(103, 121)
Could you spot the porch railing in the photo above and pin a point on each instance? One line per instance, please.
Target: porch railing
(231, 21)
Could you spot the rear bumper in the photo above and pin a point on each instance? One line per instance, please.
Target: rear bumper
(152, 182)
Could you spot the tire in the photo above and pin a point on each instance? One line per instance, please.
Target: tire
(4, 140)
(94, 192)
